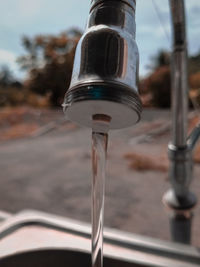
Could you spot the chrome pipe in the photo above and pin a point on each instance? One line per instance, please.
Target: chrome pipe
(179, 74)
(180, 170)
(179, 199)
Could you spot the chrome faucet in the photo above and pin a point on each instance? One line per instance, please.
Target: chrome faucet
(105, 72)
(179, 199)
(105, 82)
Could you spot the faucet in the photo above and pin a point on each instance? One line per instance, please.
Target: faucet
(105, 73)
(104, 84)
(179, 199)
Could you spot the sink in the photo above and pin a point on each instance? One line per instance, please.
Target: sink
(59, 257)
(37, 239)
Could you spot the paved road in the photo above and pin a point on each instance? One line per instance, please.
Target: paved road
(53, 173)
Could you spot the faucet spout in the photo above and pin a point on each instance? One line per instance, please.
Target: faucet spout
(105, 73)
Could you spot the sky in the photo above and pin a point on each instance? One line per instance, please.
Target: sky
(153, 30)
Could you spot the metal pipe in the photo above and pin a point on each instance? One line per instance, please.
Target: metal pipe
(179, 74)
(179, 199)
(180, 170)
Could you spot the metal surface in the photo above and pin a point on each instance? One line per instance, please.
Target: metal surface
(181, 215)
(181, 227)
(194, 137)
(179, 74)
(40, 239)
(179, 199)
(181, 169)
(131, 3)
(105, 73)
(4, 215)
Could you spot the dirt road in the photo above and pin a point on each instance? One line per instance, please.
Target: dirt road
(53, 173)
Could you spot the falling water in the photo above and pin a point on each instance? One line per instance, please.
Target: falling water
(99, 150)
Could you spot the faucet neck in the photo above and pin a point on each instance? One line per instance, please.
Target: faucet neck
(131, 3)
(113, 13)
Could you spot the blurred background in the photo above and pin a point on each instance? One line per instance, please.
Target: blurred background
(45, 160)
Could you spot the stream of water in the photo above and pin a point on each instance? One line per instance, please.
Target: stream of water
(99, 151)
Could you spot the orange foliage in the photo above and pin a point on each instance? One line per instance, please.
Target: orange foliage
(195, 80)
(49, 60)
(18, 131)
(156, 88)
(146, 163)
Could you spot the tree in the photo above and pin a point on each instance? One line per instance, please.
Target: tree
(49, 61)
(194, 64)
(161, 59)
(6, 77)
(158, 84)
(155, 88)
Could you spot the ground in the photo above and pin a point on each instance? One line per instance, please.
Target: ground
(49, 169)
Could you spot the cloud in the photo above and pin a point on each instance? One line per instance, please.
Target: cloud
(8, 58)
(29, 9)
(19, 17)
(20, 12)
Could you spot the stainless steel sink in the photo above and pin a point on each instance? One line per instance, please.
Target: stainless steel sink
(35, 239)
(54, 258)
